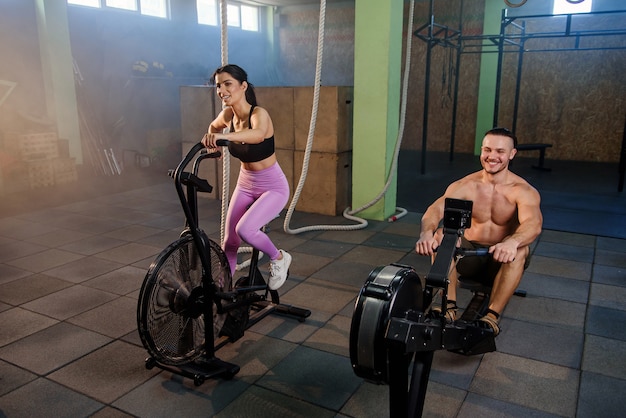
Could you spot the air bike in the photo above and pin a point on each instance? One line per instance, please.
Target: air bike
(188, 307)
(393, 323)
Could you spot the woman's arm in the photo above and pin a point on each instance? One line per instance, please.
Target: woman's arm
(261, 128)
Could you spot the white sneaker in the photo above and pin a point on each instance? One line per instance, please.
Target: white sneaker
(279, 270)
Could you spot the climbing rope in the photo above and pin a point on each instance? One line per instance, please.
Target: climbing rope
(226, 158)
(347, 213)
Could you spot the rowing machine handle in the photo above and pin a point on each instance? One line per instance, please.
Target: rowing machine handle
(466, 252)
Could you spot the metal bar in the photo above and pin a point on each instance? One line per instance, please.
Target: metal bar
(606, 12)
(550, 50)
(455, 99)
(496, 105)
(518, 82)
(426, 93)
(455, 102)
(622, 161)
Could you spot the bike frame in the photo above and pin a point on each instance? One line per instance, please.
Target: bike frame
(189, 203)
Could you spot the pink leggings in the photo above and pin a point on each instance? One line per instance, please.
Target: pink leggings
(257, 199)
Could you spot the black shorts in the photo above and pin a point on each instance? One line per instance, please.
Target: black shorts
(481, 268)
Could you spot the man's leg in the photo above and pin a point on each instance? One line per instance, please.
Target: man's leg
(507, 280)
(453, 282)
(504, 286)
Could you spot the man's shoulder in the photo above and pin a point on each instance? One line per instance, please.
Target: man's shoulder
(521, 182)
(463, 185)
(470, 178)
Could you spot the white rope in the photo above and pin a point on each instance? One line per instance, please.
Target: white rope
(224, 31)
(226, 156)
(309, 142)
(244, 264)
(347, 213)
(225, 195)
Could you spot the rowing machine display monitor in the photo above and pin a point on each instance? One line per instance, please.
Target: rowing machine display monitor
(457, 214)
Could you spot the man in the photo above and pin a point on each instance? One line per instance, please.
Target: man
(506, 217)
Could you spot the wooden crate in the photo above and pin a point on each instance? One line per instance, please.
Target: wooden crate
(13, 176)
(29, 147)
(64, 170)
(40, 173)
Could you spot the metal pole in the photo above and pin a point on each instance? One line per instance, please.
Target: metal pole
(427, 87)
(455, 99)
(622, 161)
(496, 106)
(518, 81)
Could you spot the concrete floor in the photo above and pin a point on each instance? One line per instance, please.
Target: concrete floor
(72, 264)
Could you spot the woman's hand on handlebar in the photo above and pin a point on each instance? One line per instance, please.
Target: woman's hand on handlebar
(213, 140)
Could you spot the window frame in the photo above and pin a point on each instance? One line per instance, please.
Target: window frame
(138, 9)
(235, 17)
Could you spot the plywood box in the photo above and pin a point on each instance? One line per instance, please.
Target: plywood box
(40, 173)
(64, 170)
(279, 103)
(333, 128)
(199, 106)
(35, 146)
(328, 184)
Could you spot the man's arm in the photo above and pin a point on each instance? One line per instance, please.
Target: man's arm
(530, 222)
(529, 216)
(428, 242)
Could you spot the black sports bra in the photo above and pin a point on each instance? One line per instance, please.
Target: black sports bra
(251, 153)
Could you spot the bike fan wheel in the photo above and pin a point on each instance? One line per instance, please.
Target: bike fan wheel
(170, 315)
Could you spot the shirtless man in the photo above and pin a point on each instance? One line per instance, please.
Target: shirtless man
(505, 217)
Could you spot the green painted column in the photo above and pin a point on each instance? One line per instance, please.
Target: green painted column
(58, 72)
(488, 75)
(377, 83)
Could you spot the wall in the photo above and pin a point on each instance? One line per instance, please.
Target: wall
(125, 107)
(574, 100)
(20, 64)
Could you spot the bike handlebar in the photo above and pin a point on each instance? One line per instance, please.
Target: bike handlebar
(222, 142)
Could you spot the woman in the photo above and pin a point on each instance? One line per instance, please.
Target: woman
(262, 190)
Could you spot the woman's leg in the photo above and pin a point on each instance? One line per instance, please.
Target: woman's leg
(262, 212)
(239, 203)
(268, 189)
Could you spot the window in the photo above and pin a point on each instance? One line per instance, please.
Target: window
(157, 8)
(233, 15)
(239, 16)
(250, 18)
(122, 4)
(207, 12)
(565, 7)
(90, 3)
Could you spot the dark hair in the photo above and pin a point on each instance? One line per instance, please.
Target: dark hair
(503, 132)
(240, 75)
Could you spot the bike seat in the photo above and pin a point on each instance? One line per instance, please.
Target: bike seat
(476, 283)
